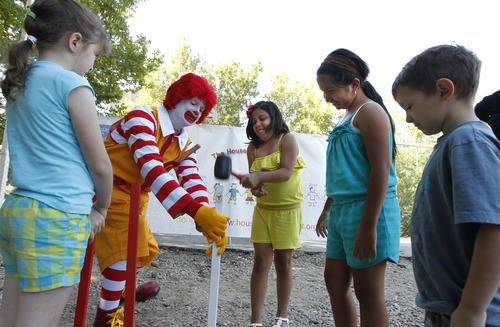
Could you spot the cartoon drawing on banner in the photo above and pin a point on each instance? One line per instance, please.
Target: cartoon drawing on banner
(233, 191)
(218, 191)
(249, 199)
(216, 197)
(311, 196)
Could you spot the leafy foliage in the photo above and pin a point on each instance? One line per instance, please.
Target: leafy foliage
(157, 81)
(123, 71)
(303, 106)
(11, 19)
(235, 89)
(234, 86)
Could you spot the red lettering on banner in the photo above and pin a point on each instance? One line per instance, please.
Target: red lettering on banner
(229, 151)
(216, 154)
(236, 151)
(309, 227)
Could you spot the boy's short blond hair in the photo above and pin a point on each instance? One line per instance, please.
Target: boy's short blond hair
(454, 62)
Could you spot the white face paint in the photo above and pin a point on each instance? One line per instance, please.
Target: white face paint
(186, 113)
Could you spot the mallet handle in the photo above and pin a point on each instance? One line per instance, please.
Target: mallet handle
(239, 176)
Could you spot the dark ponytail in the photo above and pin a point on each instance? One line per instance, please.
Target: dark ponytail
(18, 57)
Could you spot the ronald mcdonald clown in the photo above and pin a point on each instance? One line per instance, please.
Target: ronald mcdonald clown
(143, 147)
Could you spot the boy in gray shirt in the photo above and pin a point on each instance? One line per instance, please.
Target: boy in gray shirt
(455, 226)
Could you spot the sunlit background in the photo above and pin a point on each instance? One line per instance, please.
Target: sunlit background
(294, 37)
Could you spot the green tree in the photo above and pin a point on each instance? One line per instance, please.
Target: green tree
(410, 163)
(235, 89)
(234, 86)
(157, 81)
(123, 71)
(11, 18)
(303, 106)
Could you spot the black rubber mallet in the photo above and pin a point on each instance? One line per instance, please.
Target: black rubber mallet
(223, 169)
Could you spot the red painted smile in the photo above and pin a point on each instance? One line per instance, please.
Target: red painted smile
(190, 117)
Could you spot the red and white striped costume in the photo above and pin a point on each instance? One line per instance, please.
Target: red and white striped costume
(143, 148)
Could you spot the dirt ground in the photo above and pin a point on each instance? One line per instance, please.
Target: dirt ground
(184, 277)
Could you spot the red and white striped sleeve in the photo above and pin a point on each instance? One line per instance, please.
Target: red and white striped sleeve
(138, 130)
(190, 179)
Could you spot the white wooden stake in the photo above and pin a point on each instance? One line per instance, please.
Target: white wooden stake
(213, 298)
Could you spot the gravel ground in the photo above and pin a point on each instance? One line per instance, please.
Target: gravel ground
(184, 277)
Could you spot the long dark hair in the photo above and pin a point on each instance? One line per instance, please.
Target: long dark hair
(48, 22)
(342, 67)
(277, 125)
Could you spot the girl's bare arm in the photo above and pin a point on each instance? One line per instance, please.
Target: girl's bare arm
(83, 115)
(375, 128)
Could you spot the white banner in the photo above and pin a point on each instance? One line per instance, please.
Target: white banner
(238, 202)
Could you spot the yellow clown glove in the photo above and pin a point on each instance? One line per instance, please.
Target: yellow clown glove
(213, 226)
(221, 249)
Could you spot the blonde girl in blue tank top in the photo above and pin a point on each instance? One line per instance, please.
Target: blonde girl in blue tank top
(58, 162)
(361, 217)
(275, 163)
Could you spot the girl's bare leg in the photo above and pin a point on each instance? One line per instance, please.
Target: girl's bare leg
(369, 289)
(41, 309)
(9, 301)
(338, 283)
(283, 265)
(263, 259)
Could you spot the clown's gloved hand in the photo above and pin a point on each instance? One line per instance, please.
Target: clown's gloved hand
(221, 249)
(213, 227)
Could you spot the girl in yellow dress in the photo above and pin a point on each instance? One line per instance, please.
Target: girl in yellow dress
(275, 163)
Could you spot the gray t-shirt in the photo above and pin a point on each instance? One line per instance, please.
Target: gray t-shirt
(459, 189)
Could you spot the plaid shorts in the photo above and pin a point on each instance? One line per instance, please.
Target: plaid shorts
(434, 319)
(42, 247)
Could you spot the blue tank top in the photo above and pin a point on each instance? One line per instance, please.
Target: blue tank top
(347, 165)
(46, 160)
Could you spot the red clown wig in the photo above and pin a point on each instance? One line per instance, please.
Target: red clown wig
(188, 87)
